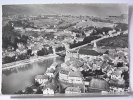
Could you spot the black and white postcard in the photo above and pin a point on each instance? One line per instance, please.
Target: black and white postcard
(65, 49)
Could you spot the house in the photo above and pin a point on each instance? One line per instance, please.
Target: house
(80, 39)
(75, 77)
(64, 65)
(117, 79)
(28, 29)
(36, 30)
(67, 31)
(63, 75)
(98, 85)
(18, 28)
(49, 89)
(116, 75)
(41, 79)
(72, 90)
(50, 30)
(50, 72)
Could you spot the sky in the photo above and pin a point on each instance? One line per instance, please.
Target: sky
(65, 9)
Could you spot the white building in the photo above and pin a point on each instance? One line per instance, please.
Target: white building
(41, 79)
(49, 89)
(28, 29)
(75, 77)
(72, 90)
(18, 28)
(63, 75)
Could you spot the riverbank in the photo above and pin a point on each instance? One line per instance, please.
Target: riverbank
(27, 61)
(34, 59)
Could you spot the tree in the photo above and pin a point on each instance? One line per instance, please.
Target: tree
(29, 52)
(29, 90)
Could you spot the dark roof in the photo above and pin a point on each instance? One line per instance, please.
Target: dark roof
(98, 84)
(89, 52)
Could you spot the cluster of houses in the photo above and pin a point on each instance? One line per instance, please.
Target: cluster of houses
(109, 67)
(45, 81)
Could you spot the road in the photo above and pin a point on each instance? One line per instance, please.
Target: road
(95, 41)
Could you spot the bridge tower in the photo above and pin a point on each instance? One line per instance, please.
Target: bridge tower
(95, 46)
(54, 53)
(54, 50)
(68, 53)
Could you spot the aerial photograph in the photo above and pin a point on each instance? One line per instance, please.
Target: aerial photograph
(65, 49)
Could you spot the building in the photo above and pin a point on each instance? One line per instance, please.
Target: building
(18, 28)
(63, 75)
(50, 30)
(49, 89)
(65, 65)
(117, 79)
(75, 77)
(41, 79)
(28, 29)
(116, 75)
(72, 90)
(98, 85)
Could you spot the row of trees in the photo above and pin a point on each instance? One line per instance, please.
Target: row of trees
(8, 59)
(27, 55)
(44, 51)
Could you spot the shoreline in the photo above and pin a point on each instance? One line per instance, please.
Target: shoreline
(27, 61)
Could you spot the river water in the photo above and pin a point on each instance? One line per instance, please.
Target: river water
(22, 76)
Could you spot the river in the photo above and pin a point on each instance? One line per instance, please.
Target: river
(20, 77)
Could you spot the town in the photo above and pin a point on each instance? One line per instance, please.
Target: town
(95, 52)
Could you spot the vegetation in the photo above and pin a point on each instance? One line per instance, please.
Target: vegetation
(42, 52)
(86, 40)
(60, 49)
(121, 26)
(8, 59)
(115, 42)
(10, 37)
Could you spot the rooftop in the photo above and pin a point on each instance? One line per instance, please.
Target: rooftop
(73, 89)
(75, 74)
(64, 71)
(98, 84)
